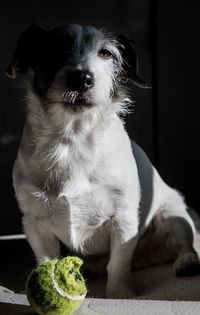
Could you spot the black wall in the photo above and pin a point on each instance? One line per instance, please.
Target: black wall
(165, 120)
(177, 89)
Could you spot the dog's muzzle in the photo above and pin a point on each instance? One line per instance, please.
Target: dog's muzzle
(80, 81)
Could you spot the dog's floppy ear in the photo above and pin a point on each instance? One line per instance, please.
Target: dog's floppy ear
(26, 53)
(130, 62)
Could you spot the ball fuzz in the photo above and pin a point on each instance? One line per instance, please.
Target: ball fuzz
(56, 287)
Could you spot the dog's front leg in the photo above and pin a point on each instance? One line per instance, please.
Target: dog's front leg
(42, 240)
(124, 238)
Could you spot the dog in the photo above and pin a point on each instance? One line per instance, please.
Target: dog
(78, 178)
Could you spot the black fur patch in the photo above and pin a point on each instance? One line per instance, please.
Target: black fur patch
(62, 46)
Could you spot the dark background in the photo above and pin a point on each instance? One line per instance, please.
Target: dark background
(165, 121)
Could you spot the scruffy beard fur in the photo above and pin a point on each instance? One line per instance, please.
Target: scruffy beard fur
(60, 109)
(76, 101)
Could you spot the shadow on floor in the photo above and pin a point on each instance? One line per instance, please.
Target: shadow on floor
(156, 283)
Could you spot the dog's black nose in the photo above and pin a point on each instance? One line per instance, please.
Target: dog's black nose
(80, 80)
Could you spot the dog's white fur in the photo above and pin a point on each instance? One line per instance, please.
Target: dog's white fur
(77, 181)
(97, 209)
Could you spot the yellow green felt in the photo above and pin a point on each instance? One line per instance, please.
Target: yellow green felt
(41, 292)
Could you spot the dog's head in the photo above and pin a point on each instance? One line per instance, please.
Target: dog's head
(76, 66)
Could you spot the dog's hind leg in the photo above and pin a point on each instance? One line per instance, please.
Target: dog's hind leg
(181, 229)
(169, 237)
(181, 239)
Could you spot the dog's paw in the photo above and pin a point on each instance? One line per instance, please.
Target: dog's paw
(120, 292)
(187, 265)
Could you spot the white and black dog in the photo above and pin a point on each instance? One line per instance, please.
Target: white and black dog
(78, 178)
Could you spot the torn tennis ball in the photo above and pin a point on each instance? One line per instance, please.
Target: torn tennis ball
(56, 287)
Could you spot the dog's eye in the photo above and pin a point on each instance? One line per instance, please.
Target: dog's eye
(104, 54)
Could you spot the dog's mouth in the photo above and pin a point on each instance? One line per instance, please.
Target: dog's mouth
(77, 101)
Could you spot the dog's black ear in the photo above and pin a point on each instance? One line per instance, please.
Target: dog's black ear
(130, 61)
(26, 53)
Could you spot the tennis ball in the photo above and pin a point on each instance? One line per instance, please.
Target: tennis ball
(56, 287)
